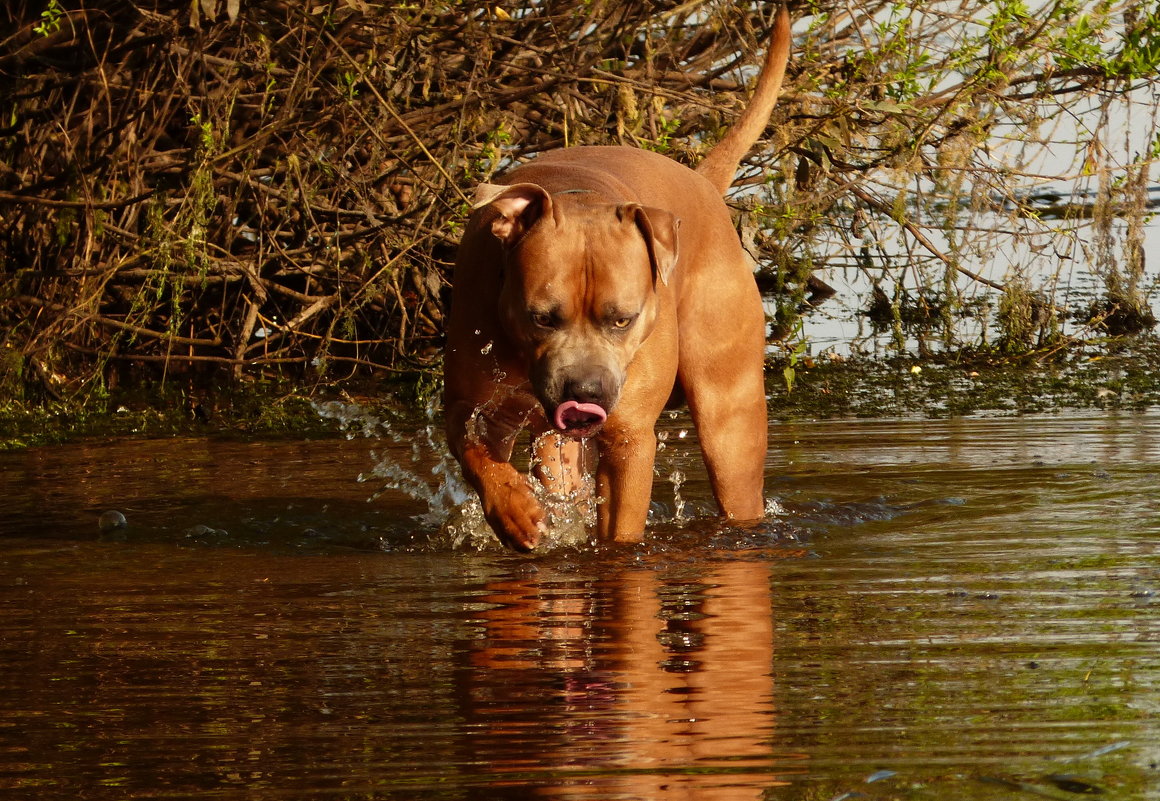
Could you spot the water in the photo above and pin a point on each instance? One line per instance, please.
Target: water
(841, 325)
(939, 609)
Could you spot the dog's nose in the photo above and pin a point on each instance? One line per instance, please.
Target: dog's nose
(591, 386)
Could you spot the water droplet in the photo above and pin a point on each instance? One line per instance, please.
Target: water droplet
(774, 509)
(486, 349)
(111, 521)
(677, 478)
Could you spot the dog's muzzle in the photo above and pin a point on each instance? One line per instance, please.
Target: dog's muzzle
(582, 400)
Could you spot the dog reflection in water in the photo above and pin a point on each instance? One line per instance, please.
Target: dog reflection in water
(654, 688)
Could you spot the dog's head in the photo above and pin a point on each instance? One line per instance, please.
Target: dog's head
(579, 292)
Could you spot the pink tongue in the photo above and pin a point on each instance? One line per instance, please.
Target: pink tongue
(571, 414)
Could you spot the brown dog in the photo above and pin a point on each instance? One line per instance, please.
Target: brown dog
(593, 286)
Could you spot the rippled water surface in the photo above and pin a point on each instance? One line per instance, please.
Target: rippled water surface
(951, 609)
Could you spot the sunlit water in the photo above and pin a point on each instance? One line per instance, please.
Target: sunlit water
(840, 324)
(950, 609)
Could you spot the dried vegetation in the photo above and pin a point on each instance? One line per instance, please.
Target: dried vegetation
(256, 185)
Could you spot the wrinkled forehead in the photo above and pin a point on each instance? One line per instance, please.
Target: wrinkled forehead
(592, 252)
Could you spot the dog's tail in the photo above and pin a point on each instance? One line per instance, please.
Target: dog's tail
(720, 166)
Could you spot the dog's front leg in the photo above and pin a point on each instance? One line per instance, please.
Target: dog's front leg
(508, 503)
(560, 464)
(483, 443)
(624, 483)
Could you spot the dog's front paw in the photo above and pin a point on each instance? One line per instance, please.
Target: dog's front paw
(515, 515)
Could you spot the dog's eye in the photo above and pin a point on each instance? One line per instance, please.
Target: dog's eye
(622, 323)
(543, 320)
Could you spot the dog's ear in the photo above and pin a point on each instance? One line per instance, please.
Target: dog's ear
(659, 229)
(519, 207)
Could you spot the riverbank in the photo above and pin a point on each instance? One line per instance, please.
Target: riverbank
(1124, 375)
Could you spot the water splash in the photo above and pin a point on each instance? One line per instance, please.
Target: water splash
(773, 508)
(439, 485)
(677, 478)
(426, 472)
(423, 469)
(569, 522)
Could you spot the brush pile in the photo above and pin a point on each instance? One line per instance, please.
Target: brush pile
(266, 185)
(256, 187)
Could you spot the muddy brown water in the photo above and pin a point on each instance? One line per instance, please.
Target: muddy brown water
(939, 609)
